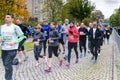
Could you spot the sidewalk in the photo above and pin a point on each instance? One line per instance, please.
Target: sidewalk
(84, 70)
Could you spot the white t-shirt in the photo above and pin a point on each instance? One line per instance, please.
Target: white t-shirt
(9, 34)
(94, 30)
(88, 28)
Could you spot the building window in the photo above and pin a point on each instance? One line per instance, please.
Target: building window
(36, 10)
(36, 1)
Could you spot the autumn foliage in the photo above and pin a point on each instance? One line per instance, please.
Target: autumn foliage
(16, 7)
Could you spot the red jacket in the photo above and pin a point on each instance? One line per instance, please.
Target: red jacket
(73, 38)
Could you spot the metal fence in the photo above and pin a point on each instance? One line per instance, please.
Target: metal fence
(117, 38)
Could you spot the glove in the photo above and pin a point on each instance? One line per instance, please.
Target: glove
(70, 32)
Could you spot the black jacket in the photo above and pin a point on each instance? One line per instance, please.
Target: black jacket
(83, 37)
(24, 29)
(97, 36)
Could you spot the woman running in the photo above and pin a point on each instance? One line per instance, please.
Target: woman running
(38, 39)
(53, 46)
(73, 36)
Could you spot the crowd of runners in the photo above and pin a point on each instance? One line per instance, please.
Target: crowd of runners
(60, 39)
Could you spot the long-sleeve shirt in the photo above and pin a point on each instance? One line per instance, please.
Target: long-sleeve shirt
(65, 35)
(73, 38)
(85, 31)
(60, 30)
(46, 29)
(53, 35)
(24, 29)
(39, 36)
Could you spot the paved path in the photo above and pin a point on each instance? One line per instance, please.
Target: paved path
(84, 70)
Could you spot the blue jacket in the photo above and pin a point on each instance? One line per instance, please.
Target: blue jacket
(60, 29)
(46, 29)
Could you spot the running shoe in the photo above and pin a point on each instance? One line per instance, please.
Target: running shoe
(76, 60)
(81, 55)
(84, 54)
(95, 62)
(48, 69)
(60, 63)
(68, 64)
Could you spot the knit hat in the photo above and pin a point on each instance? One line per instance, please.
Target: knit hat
(66, 20)
(94, 23)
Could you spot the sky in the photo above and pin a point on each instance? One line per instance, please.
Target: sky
(106, 6)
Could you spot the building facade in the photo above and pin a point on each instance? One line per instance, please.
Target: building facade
(35, 9)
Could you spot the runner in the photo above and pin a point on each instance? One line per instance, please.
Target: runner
(65, 37)
(89, 42)
(9, 34)
(94, 35)
(73, 36)
(82, 39)
(53, 46)
(101, 38)
(38, 39)
(46, 29)
(108, 33)
(21, 49)
(60, 31)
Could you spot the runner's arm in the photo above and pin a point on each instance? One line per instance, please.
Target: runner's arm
(19, 39)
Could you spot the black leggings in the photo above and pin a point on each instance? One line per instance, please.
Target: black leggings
(37, 51)
(70, 46)
(82, 43)
(52, 49)
(44, 46)
(94, 50)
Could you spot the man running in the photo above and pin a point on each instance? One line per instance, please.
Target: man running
(94, 35)
(21, 44)
(46, 29)
(65, 36)
(82, 39)
(9, 34)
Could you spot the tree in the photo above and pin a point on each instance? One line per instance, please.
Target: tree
(97, 15)
(79, 9)
(53, 9)
(115, 18)
(86, 21)
(21, 10)
(16, 7)
(5, 7)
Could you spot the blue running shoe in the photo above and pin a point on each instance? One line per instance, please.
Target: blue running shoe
(95, 62)
(81, 55)
(84, 54)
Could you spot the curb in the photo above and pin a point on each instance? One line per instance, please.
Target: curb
(114, 67)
